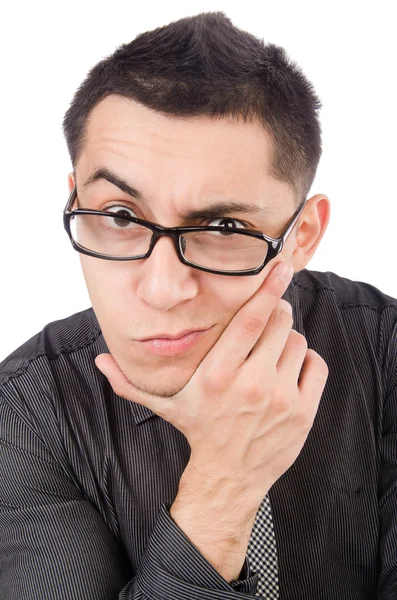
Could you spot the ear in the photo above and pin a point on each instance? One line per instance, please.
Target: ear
(311, 227)
(71, 181)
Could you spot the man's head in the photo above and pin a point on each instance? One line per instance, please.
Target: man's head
(190, 114)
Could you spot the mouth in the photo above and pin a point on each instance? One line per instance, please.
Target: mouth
(172, 345)
(169, 336)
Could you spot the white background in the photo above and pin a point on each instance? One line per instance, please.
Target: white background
(347, 49)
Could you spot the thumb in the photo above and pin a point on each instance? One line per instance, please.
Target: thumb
(124, 388)
(108, 366)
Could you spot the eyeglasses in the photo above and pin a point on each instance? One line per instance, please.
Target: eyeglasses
(223, 250)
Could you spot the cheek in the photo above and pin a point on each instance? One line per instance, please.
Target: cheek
(234, 292)
(105, 283)
(102, 274)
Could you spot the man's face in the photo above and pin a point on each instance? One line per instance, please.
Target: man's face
(177, 165)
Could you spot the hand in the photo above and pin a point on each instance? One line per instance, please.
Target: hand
(249, 406)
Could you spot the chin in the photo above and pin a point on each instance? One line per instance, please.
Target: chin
(164, 390)
(164, 381)
(159, 376)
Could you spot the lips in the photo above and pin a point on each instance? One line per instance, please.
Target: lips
(170, 336)
(166, 347)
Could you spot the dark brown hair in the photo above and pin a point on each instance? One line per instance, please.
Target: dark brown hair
(204, 65)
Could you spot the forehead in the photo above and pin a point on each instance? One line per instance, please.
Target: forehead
(191, 156)
(123, 125)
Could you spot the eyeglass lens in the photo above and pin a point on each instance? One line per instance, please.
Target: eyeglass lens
(117, 237)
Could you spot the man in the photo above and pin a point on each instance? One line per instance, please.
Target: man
(180, 439)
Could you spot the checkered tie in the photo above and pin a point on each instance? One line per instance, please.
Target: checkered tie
(262, 552)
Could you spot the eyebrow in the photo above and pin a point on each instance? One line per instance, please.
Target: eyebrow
(211, 211)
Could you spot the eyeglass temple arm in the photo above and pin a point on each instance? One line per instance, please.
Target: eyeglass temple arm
(71, 199)
(293, 221)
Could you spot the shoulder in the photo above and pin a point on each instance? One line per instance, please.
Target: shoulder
(344, 292)
(52, 369)
(348, 319)
(50, 389)
(55, 339)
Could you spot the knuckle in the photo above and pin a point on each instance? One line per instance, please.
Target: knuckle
(252, 324)
(298, 341)
(284, 306)
(281, 402)
(284, 314)
(320, 365)
(253, 391)
(323, 366)
(120, 390)
(215, 381)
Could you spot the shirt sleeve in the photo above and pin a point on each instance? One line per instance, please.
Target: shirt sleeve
(54, 543)
(387, 582)
(163, 570)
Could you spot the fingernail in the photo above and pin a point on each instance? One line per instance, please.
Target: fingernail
(284, 271)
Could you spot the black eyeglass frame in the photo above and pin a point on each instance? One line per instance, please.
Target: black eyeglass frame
(275, 245)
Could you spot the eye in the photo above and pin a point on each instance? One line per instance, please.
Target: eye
(125, 211)
(121, 211)
(119, 208)
(228, 222)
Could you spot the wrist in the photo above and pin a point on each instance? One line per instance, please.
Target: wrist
(218, 495)
(221, 543)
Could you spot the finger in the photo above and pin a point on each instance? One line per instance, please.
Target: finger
(291, 360)
(247, 325)
(271, 344)
(313, 377)
(124, 388)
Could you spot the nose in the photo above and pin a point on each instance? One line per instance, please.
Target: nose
(164, 281)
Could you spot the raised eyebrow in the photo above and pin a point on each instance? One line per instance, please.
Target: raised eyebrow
(220, 209)
(103, 173)
(211, 211)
